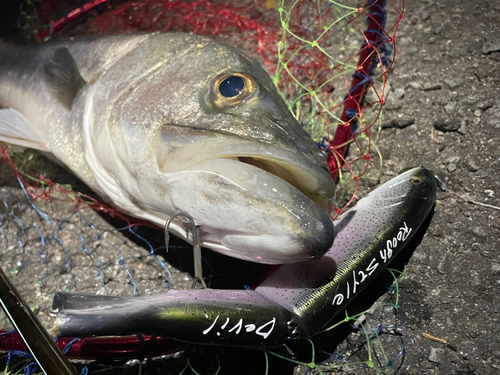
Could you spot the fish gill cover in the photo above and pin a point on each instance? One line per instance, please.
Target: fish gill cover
(329, 61)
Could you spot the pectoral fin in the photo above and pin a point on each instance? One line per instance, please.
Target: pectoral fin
(17, 129)
(63, 78)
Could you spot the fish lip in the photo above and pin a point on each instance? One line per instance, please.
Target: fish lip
(299, 179)
(315, 182)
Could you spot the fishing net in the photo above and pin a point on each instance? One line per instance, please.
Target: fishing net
(329, 61)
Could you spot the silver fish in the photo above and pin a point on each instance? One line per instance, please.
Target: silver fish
(164, 123)
(296, 301)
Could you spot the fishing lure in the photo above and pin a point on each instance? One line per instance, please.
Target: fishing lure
(296, 301)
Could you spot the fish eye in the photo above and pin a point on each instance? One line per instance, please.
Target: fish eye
(231, 89)
(416, 180)
(231, 86)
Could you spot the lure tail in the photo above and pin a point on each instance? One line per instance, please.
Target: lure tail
(222, 317)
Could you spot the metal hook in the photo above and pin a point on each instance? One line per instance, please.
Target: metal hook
(198, 271)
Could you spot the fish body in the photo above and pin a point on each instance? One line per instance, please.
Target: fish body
(296, 301)
(164, 123)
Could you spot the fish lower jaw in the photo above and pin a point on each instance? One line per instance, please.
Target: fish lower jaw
(272, 244)
(263, 248)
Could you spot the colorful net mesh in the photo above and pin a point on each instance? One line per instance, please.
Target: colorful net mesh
(329, 61)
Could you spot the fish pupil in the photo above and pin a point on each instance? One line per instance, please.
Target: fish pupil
(231, 86)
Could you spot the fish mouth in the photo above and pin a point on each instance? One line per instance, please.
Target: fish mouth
(300, 164)
(301, 179)
(255, 202)
(307, 173)
(262, 209)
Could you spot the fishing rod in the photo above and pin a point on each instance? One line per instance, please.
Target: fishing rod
(40, 344)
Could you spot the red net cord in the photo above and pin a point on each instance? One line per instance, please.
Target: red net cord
(117, 348)
(373, 36)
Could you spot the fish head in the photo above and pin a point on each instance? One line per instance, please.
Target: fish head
(205, 132)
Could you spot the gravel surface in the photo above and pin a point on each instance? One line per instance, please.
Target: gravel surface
(446, 82)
